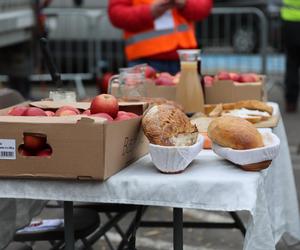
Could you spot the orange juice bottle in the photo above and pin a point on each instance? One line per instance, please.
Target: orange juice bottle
(189, 90)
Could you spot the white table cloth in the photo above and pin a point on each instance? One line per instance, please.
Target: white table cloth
(210, 183)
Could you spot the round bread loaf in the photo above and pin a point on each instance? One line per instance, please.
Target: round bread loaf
(234, 132)
(167, 125)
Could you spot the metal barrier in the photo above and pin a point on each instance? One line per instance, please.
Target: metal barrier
(234, 39)
(84, 43)
(74, 46)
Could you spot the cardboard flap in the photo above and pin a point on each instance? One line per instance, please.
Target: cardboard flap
(244, 84)
(78, 105)
(52, 119)
(56, 105)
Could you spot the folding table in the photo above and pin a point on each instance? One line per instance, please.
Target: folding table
(210, 183)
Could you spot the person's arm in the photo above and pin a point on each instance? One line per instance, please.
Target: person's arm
(125, 16)
(194, 10)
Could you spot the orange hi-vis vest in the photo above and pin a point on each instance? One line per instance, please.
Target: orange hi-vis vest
(152, 42)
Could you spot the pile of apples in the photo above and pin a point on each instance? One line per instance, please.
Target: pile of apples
(105, 106)
(161, 79)
(233, 76)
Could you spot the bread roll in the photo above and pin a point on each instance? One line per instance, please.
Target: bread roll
(234, 132)
(167, 125)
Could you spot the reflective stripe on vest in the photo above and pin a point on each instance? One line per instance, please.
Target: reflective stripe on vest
(155, 33)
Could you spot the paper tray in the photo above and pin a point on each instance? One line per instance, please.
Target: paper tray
(248, 157)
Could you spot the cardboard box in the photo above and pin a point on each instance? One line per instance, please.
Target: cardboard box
(167, 92)
(224, 91)
(152, 90)
(83, 148)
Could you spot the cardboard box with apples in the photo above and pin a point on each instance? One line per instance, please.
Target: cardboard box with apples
(227, 87)
(222, 88)
(79, 141)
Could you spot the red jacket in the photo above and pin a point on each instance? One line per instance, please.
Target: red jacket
(138, 18)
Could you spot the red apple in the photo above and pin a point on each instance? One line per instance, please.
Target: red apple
(247, 78)
(17, 111)
(49, 113)
(255, 77)
(104, 82)
(208, 81)
(32, 111)
(105, 104)
(166, 74)
(130, 114)
(165, 79)
(34, 141)
(24, 152)
(123, 117)
(46, 152)
(67, 110)
(150, 72)
(103, 115)
(234, 76)
(87, 112)
(223, 75)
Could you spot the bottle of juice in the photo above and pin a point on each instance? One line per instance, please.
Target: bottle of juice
(189, 90)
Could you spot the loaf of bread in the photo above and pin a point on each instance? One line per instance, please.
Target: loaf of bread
(235, 133)
(254, 105)
(246, 104)
(167, 125)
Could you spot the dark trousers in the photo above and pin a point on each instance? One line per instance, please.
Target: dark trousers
(291, 36)
(171, 67)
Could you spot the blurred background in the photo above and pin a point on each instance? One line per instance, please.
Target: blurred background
(239, 35)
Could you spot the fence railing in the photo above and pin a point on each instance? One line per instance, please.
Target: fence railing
(84, 43)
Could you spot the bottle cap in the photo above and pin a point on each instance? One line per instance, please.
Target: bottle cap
(189, 55)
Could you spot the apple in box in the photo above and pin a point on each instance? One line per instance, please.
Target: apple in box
(234, 76)
(122, 115)
(67, 110)
(46, 152)
(17, 111)
(165, 79)
(208, 81)
(223, 75)
(103, 115)
(150, 72)
(105, 103)
(34, 141)
(249, 77)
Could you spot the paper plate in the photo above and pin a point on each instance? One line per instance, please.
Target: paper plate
(251, 156)
(170, 159)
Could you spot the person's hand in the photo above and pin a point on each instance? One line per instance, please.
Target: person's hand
(159, 7)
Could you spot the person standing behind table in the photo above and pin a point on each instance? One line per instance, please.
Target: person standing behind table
(290, 13)
(155, 29)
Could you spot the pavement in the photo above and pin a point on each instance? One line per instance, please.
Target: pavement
(197, 239)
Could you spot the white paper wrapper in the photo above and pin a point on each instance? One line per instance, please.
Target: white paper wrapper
(174, 159)
(250, 156)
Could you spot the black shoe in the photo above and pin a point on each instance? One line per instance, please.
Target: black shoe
(291, 107)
